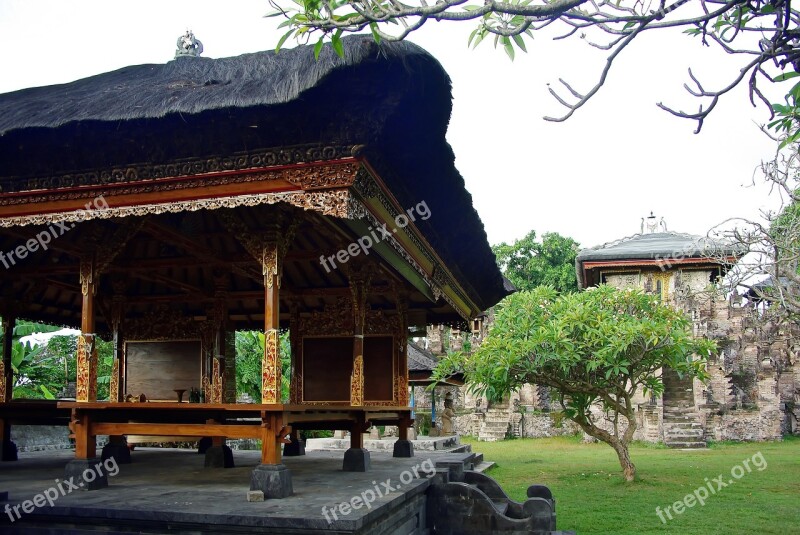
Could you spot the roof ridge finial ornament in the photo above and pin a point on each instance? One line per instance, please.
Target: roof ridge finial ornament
(653, 226)
(188, 46)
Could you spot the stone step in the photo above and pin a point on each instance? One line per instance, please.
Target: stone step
(484, 466)
(686, 445)
(684, 436)
(683, 430)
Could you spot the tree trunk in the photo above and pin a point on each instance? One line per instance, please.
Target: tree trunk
(620, 445)
(628, 468)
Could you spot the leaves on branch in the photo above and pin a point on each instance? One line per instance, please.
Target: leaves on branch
(606, 24)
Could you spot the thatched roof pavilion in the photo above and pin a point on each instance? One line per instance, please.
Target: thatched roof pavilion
(166, 206)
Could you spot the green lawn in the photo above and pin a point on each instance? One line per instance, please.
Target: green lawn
(592, 497)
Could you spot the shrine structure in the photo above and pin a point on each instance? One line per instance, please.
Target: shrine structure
(166, 206)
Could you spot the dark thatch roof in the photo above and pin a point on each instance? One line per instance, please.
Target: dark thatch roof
(421, 364)
(393, 99)
(419, 359)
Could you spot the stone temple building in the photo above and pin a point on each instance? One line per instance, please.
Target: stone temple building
(753, 385)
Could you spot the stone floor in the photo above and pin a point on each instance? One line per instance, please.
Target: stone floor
(163, 486)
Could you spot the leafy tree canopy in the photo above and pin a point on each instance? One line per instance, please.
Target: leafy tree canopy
(529, 263)
(590, 347)
(249, 354)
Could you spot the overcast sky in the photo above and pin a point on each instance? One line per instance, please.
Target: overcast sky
(591, 178)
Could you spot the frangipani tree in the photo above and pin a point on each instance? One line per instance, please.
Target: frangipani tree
(596, 346)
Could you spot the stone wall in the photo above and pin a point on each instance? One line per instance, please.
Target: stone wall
(752, 392)
(45, 438)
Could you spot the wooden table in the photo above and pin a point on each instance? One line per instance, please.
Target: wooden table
(271, 423)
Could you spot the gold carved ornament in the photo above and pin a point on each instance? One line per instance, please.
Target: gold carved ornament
(113, 389)
(270, 265)
(206, 384)
(335, 203)
(86, 387)
(401, 390)
(357, 382)
(2, 381)
(216, 385)
(296, 387)
(87, 276)
(270, 369)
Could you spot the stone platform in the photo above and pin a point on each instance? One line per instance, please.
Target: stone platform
(169, 491)
(421, 444)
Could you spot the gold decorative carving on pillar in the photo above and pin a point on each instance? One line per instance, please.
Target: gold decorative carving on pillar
(360, 276)
(113, 389)
(401, 394)
(87, 277)
(269, 264)
(6, 369)
(86, 387)
(296, 364)
(216, 384)
(271, 369)
(401, 390)
(207, 390)
(357, 382)
(3, 382)
(117, 313)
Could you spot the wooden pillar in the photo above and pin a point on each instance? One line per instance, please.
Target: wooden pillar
(296, 368)
(359, 287)
(7, 448)
(224, 345)
(86, 389)
(117, 383)
(85, 443)
(6, 372)
(271, 437)
(401, 378)
(271, 364)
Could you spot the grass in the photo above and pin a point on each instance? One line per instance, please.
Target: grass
(592, 497)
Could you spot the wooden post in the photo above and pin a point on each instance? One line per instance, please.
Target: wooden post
(86, 389)
(401, 397)
(271, 424)
(6, 372)
(271, 364)
(85, 443)
(117, 384)
(359, 287)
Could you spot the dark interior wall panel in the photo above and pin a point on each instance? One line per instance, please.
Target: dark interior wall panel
(156, 369)
(378, 368)
(327, 364)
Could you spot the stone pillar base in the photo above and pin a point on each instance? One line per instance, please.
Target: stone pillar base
(403, 448)
(87, 474)
(356, 460)
(274, 480)
(203, 444)
(8, 451)
(295, 448)
(120, 452)
(219, 457)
